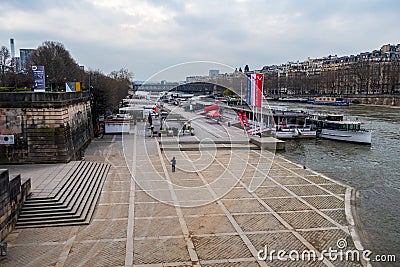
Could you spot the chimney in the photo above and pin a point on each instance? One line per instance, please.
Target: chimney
(12, 47)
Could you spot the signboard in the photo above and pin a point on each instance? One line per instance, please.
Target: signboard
(38, 78)
(112, 127)
(73, 87)
(6, 139)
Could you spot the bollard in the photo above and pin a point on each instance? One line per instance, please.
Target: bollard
(3, 248)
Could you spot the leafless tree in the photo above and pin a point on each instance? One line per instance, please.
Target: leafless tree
(5, 64)
(59, 66)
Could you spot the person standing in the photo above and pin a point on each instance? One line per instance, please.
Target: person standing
(184, 128)
(173, 163)
(150, 119)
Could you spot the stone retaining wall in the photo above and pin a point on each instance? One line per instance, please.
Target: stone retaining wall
(47, 127)
(12, 196)
(378, 100)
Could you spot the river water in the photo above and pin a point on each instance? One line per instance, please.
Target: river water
(372, 170)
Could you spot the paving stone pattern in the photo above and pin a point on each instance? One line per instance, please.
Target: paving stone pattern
(292, 209)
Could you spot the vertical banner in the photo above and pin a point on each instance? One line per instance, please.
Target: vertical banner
(38, 79)
(258, 88)
(248, 95)
(255, 89)
(78, 86)
(240, 114)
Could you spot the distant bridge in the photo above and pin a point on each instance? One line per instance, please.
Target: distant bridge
(197, 88)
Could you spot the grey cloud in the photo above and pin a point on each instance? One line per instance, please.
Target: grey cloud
(233, 32)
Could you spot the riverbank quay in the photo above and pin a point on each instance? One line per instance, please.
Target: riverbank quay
(221, 207)
(369, 100)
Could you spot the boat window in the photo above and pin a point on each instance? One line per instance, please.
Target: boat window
(354, 127)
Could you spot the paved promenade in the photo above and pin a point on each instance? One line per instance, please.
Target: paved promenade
(220, 208)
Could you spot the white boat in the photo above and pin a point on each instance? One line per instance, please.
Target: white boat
(292, 125)
(293, 133)
(348, 131)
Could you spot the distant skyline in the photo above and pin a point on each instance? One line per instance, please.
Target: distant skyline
(147, 37)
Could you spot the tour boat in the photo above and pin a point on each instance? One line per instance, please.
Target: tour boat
(292, 125)
(332, 101)
(348, 131)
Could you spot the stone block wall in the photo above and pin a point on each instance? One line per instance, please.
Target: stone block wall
(47, 127)
(393, 100)
(12, 196)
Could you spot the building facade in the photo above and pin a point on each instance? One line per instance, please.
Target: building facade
(369, 73)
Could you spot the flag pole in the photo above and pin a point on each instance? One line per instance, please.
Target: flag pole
(241, 94)
(254, 121)
(262, 98)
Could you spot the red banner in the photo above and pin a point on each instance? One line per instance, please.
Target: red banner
(258, 90)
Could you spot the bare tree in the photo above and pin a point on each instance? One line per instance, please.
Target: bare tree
(106, 91)
(5, 64)
(122, 74)
(59, 66)
(393, 76)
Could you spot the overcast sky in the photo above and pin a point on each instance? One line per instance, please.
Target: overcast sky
(149, 36)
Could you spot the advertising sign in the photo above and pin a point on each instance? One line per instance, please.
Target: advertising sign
(73, 87)
(38, 78)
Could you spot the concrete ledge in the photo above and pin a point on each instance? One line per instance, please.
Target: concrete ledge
(210, 148)
(268, 143)
(41, 100)
(196, 142)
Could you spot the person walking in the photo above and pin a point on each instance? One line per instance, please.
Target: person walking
(184, 128)
(173, 163)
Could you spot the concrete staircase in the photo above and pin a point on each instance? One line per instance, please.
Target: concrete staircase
(71, 201)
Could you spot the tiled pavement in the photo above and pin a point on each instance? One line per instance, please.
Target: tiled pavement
(204, 214)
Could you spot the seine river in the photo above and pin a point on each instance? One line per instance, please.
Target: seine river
(372, 170)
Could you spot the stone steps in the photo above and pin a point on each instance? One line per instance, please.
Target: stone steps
(71, 202)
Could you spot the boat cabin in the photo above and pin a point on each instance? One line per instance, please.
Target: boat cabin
(340, 125)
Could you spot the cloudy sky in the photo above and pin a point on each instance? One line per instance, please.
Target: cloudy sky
(148, 36)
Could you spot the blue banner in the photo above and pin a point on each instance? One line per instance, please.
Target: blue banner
(249, 90)
(38, 78)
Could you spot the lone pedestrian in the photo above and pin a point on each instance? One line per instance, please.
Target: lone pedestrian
(173, 163)
(151, 130)
(150, 119)
(184, 128)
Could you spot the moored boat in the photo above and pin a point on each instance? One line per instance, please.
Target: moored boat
(292, 125)
(332, 101)
(293, 99)
(348, 131)
(293, 133)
